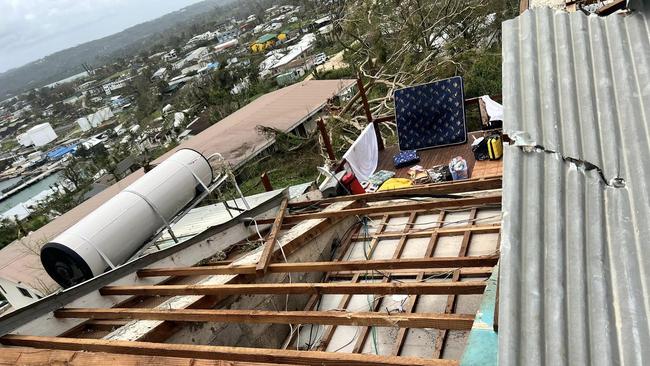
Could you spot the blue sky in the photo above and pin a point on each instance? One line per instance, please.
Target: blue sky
(32, 29)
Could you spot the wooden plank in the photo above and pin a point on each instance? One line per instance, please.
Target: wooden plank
(421, 320)
(269, 246)
(612, 7)
(356, 265)
(24, 356)
(432, 288)
(433, 189)
(423, 205)
(445, 231)
(239, 354)
(413, 273)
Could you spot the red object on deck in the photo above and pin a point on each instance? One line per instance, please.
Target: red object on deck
(351, 182)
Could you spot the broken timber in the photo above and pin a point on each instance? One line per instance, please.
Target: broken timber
(269, 246)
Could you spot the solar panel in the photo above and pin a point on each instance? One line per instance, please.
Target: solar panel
(431, 115)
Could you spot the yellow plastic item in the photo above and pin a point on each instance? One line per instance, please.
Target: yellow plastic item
(395, 183)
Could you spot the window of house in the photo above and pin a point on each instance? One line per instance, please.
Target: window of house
(24, 292)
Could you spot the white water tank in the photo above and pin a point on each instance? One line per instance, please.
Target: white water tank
(112, 233)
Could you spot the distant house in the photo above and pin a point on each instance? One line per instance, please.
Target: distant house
(267, 41)
(228, 34)
(114, 85)
(95, 119)
(160, 74)
(191, 58)
(225, 45)
(38, 135)
(170, 56)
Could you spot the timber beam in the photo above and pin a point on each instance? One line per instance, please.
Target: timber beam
(356, 265)
(236, 354)
(420, 205)
(401, 288)
(446, 188)
(380, 319)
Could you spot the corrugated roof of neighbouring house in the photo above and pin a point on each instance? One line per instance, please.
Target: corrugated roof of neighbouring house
(267, 37)
(201, 218)
(575, 270)
(235, 137)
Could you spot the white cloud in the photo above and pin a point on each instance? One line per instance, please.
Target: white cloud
(31, 29)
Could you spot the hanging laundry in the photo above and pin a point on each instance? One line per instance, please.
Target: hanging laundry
(363, 155)
(494, 109)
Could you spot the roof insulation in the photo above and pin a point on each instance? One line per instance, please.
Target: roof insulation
(575, 271)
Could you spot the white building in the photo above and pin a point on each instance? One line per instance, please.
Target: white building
(24, 140)
(191, 57)
(95, 119)
(160, 74)
(228, 34)
(38, 135)
(170, 56)
(111, 86)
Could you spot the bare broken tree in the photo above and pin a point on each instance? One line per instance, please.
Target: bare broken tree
(393, 44)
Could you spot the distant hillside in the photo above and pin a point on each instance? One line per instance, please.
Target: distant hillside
(127, 43)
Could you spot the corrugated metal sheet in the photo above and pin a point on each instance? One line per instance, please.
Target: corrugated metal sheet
(575, 271)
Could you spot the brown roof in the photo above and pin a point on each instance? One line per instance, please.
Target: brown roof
(235, 137)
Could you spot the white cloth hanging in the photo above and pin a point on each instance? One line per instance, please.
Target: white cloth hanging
(362, 157)
(494, 109)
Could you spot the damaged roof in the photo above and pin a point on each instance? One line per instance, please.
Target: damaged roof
(574, 274)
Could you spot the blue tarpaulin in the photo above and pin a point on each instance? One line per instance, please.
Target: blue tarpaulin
(61, 151)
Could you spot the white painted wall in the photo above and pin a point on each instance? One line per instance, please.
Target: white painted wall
(11, 292)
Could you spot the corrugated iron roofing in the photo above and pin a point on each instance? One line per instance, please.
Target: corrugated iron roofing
(575, 271)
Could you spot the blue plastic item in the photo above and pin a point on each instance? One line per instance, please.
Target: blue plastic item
(406, 158)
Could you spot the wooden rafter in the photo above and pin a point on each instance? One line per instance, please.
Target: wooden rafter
(420, 320)
(407, 207)
(238, 354)
(463, 186)
(428, 288)
(269, 246)
(25, 356)
(356, 265)
(452, 230)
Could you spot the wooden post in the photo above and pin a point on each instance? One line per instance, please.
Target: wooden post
(326, 139)
(366, 108)
(266, 182)
(265, 259)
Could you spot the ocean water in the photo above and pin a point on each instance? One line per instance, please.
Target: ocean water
(28, 192)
